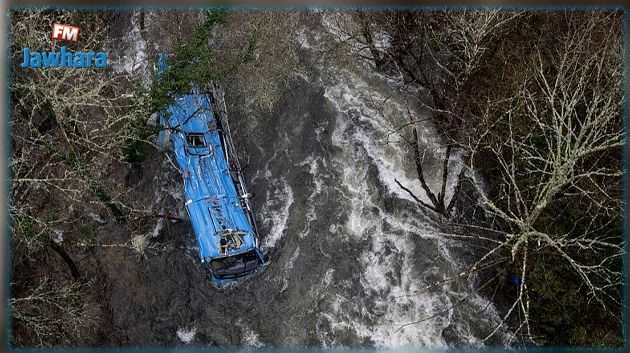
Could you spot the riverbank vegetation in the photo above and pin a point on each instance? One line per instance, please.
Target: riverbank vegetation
(533, 102)
(529, 106)
(80, 139)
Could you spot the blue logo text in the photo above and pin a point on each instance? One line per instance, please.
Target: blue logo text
(64, 59)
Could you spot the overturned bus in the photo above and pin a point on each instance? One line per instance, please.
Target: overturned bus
(216, 196)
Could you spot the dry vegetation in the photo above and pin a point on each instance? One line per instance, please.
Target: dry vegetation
(534, 102)
(78, 140)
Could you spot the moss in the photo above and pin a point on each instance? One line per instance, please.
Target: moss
(88, 234)
(50, 113)
(51, 217)
(25, 227)
(104, 197)
(560, 310)
(86, 231)
(578, 336)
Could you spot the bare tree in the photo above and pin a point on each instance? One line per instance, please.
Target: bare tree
(440, 52)
(54, 310)
(74, 131)
(544, 124)
(558, 141)
(71, 134)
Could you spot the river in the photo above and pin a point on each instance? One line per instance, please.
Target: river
(351, 254)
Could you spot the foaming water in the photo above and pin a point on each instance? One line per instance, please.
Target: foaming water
(186, 335)
(352, 256)
(280, 199)
(134, 60)
(394, 308)
(318, 184)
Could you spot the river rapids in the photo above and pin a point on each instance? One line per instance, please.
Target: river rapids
(352, 255)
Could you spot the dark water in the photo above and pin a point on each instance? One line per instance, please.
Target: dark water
(351, 254)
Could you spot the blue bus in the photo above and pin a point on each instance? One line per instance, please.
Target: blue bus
(216, 197)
